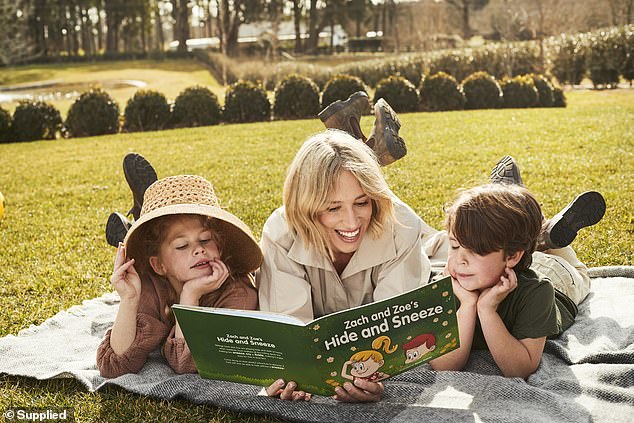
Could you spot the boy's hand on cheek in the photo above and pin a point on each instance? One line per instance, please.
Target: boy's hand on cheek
(491, 297)
(465, 296)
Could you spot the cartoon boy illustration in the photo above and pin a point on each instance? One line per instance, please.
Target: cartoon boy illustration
(366, 364)
(418, 347)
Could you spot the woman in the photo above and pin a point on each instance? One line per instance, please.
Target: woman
(342, 239)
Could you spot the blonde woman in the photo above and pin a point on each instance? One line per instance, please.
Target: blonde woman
(342, 239)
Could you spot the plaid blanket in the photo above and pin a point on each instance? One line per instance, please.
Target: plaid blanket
(587, 374)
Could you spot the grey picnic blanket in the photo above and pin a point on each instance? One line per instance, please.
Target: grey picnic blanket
(587, 374)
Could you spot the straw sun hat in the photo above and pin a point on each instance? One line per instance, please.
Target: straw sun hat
(189, 194)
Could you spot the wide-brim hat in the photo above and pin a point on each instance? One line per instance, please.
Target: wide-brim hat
(190, 194)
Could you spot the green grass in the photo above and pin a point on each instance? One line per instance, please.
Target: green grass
(60, 193)
(169, 77)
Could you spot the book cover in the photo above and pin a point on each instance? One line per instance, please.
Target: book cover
(373, 341)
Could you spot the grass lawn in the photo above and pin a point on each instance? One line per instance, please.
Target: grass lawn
(60, 193)
(169, 77)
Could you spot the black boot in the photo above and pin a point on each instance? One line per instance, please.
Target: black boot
(140, 175)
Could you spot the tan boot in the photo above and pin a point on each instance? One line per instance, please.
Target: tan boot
(384, 139)
(345, 115)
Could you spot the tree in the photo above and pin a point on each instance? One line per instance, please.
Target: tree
(464, 7)
(297, 18)
(621, 11)
(180, 12)
(16, 44)
(357, 10)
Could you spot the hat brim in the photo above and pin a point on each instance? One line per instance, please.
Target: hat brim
(240, 249)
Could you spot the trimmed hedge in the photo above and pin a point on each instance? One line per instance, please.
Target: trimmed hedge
(296, 97)
(441, 92)
(341, 87)
(399, 92)
(246, 102)
(482, 91)
(5, 125)
(93, 113)
(196, 106)
(147, 110)
(519, 92)
(35, 120)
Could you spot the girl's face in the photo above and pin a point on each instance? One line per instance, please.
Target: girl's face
(365, 368)
(347, 215)
(473, 271)
(185, 252)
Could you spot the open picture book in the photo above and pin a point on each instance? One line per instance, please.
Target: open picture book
(374, 341)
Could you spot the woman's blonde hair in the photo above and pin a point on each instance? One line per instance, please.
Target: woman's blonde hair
(313, 175)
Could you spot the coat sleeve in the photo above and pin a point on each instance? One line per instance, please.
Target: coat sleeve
(282, 283)
(411, 267)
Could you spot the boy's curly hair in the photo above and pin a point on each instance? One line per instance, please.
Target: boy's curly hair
(496, 217)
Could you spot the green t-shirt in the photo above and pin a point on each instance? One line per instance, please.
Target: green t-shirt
(534, 309)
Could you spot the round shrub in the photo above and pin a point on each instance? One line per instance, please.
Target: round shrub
(93, 113)
(519, 92)
(559, 99)
(398, 92)
(5, 125)
(296, 97)
(246, 102)
(35, 120)
(545, 90)
(441, 92)
(147, 110)
(341, 87)
(482, 91)
(196, 106)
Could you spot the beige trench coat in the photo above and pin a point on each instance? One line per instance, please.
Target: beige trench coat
(296, 279)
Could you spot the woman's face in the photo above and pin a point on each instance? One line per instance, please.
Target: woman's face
(347, 215)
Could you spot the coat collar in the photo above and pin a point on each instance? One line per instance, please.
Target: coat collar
(371, 253)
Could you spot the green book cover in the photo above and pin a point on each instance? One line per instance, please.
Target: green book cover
(373, 341)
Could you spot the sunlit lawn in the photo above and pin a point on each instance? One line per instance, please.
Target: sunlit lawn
(60, 193)
(169, 77)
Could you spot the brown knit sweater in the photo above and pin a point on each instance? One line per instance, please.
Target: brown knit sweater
(156, 328)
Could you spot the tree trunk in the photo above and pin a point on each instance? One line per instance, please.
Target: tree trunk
(297, 15)
(160, 36)
(466, 29)
(313, 28)
(181, 24)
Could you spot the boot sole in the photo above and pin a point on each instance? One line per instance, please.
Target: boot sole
(116, 229)
(336, 106)
(506, 172)
(585, 210)
(395, 144)
(139, 174)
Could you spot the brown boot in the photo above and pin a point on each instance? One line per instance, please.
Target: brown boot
(585, 210)
(384, 139)
(345, 115)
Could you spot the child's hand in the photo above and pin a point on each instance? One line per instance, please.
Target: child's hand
(493, 296)
(125, 278)
(464, 296)
(287, 391)
(360, 390)
(196, 288)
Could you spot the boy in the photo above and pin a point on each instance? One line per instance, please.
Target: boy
(506, 306)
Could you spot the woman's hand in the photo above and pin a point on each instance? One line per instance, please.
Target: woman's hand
(491, 297)
(196, 288)
(287, 391)
(361, 390)
(125, 278)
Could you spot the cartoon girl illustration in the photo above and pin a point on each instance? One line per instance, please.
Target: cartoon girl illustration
(418, 347)
(366, 364)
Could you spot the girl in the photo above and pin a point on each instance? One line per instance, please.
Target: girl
(342, 239)
(183, 249)
(366, 364)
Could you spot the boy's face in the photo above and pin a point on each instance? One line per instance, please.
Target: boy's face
(185, 252)
(473, 271)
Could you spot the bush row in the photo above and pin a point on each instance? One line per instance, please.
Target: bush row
(602, 55)
(96, 113)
